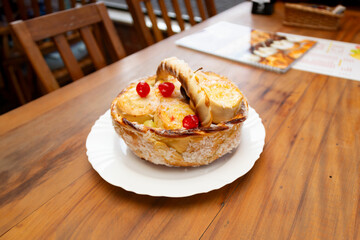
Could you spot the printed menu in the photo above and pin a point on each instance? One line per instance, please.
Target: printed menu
(333, 58)
(268, 50)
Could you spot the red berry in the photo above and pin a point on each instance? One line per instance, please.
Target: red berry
(166, 89)
(190, 121)
(143, 89)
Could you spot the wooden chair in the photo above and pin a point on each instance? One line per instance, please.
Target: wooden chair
(145, 33)
(86, 20)
(15, 65)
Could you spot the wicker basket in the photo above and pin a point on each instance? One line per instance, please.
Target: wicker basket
(302, 15)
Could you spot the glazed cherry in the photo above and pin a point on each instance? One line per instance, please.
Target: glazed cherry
(190, 121)
(143, 89)
(166, 88)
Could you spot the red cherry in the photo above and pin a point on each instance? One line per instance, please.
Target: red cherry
(166, 88)
(143, 89)
(190, 121)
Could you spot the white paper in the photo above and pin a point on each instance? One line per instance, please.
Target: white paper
(328, 57)
(247, 45)
(332, 58)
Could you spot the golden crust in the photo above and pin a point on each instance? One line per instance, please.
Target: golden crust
(219, 104)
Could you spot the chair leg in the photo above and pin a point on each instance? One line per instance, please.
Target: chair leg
(2, 81)
(16, 85)
(26, 81)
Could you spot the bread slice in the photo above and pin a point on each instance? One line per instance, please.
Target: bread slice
(135, 108)
(171, 112)
(224, 96)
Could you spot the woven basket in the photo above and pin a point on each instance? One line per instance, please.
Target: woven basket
(301, 15)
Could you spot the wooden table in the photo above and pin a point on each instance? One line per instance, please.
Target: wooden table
(306, 184)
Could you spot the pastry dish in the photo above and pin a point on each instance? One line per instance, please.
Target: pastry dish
(180, 117)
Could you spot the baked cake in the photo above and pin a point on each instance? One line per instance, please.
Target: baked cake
(180, 117)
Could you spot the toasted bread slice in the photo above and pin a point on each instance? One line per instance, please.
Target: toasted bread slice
(135, 108)
(170, 113)
(225, 97)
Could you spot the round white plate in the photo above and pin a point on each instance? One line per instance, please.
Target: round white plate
(116, 164)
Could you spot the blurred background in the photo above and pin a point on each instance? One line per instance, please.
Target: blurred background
(122, 19)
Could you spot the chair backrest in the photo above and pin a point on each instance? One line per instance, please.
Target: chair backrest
(23, 10)
(205, 10)
(87, 20)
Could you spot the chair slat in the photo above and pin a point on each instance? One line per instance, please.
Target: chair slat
(155, 28)
(48, 6)
(68, 57)
(22, 9)
(73, 3)
(166, 18)
(211, 8)
(114, 39)
(61, 5)
(78, 21)
(201, 8)
(96, 29)
(92, 47)
(32, 51)
(179, 18)
(139, 22)
(8, 11)
(190, 12)
(35, 7)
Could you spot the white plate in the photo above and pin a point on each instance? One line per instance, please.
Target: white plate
(116, 164)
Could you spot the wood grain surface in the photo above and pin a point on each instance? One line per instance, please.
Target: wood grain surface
(305, 185)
